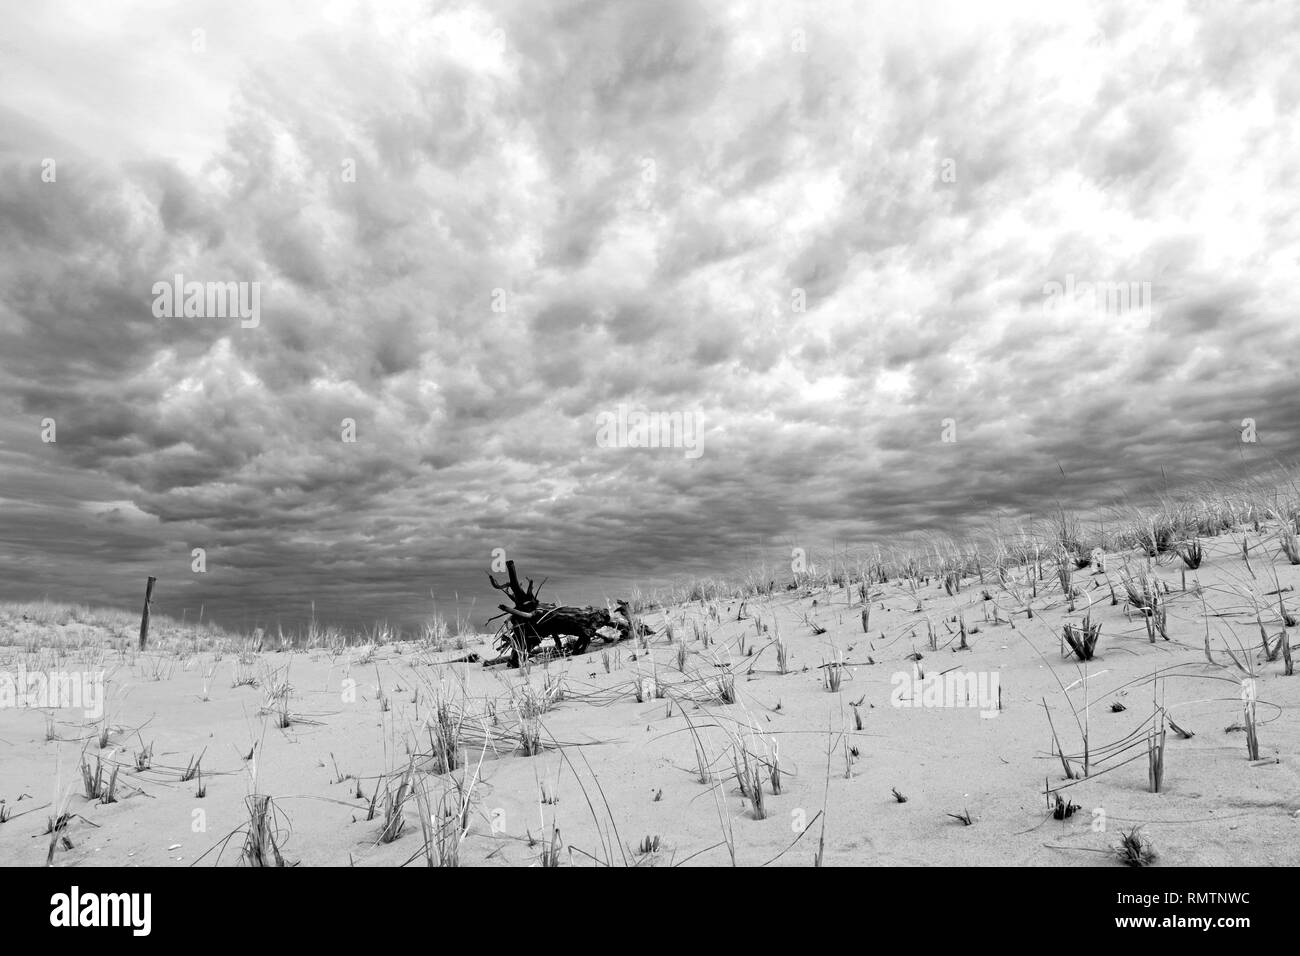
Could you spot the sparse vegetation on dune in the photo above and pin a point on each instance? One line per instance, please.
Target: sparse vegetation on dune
(849, 695)
(1169, 525)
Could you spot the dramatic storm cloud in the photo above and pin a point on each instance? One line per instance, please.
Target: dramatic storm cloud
(496, 244)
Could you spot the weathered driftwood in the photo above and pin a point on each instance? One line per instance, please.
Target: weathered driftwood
(144, 617)
(530, 621)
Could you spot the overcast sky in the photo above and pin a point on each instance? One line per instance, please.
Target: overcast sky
(814, 232)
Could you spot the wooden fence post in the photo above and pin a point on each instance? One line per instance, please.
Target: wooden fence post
(144, 618)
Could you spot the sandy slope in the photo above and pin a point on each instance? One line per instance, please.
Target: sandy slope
(1217, 808)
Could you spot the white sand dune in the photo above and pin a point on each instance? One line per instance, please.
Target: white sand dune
(615, 771)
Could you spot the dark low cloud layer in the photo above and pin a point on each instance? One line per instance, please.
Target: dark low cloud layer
(477, 229)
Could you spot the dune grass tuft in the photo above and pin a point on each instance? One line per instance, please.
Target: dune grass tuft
(1083, 639)
(1134, 849)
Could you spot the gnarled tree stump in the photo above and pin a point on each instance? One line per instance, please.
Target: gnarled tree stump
(530, 621)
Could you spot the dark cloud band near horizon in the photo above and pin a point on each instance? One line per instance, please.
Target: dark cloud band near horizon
(349, 296)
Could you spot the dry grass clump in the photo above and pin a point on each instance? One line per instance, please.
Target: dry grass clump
(263, 835)
(1191, 553)
(1067, 536)
(720, 689)
(531, 702)
(144, 757)
(445, 824)
(550, 855)
(57, 823)
(1144, 592)
(1252, 737)
(444, 726)
(395, 805)
(749, 777)
(1134, 849)
(1141, 590)
(1065, 574)
(1156, 757)
(649, 845)
(1083, 638)
(833, 673)
(208, 674)
(1156, 534)
(530, 736)
(244, 675)
(275, 694)
(1157, 621)
(94, 784)
(643, 688)
(1062, 809)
